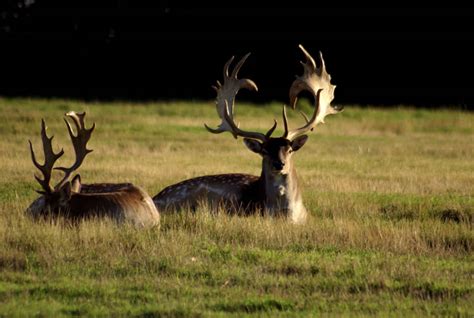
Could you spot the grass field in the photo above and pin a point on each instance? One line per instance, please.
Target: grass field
(390, 194)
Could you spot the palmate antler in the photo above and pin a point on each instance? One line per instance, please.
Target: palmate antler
(79, 142)
(225, 102)
(317, 81)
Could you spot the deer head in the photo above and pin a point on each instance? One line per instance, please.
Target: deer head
(57, 198)
(276, 151)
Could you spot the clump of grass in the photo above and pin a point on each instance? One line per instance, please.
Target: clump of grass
(253, 306)
(397, 212)
(457, 216)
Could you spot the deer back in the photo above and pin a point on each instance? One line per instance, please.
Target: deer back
(123, 203)
(233, 192)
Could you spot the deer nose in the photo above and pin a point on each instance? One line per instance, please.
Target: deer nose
(278, 165)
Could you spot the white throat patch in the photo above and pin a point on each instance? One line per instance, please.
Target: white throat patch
(279, 183)
(281, 190)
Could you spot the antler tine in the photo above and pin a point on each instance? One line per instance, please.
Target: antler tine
(309, 65)
(226, 93)
(271, 130)
(237, 68)
(323, 66)
(226, 67)
(285, 122)
(49, 159)
(79, 143)
(306, 119)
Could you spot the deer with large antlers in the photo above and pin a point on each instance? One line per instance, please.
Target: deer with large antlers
(275, 191)
(75, 201)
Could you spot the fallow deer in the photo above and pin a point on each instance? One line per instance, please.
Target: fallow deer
(276, 191)
(75, 201)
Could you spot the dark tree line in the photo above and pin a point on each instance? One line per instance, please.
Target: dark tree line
(143, 50)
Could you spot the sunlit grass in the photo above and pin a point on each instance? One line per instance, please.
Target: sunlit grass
(390, 196)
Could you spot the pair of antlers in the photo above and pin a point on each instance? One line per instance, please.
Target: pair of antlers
(315, 79)
(79, 143)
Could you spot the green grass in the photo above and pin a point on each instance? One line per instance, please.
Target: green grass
(390, 194)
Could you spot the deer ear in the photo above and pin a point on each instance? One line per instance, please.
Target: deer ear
(76, 184)
(65, 193)
(299, 142)
(253, 145)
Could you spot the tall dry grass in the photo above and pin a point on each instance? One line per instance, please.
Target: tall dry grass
(389, 194)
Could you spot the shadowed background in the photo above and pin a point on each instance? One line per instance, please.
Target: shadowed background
(152, 50)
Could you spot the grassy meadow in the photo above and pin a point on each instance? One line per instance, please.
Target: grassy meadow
(390, 194)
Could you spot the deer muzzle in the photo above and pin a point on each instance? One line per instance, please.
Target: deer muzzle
(278, 165)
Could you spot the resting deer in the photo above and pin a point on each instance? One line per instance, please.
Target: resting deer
(276, 191)
(121, 202)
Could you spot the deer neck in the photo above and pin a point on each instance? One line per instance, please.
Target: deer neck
(282, 195)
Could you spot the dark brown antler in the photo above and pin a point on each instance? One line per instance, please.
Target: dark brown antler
(49, 159)
(225, 102)
(79, 142)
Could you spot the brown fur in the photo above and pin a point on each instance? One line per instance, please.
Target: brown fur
(120, 202)
(238, 193)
